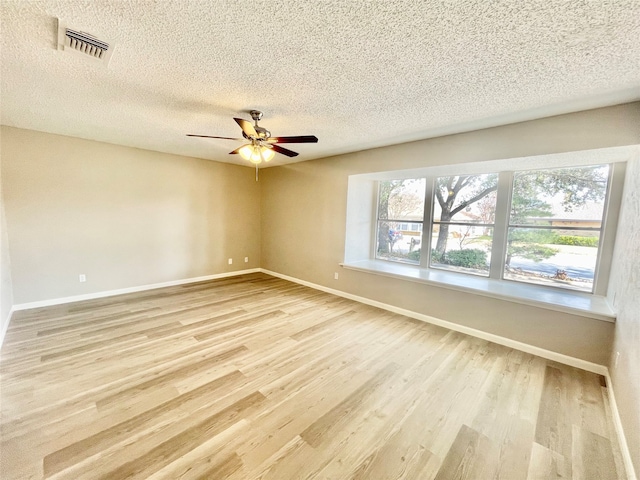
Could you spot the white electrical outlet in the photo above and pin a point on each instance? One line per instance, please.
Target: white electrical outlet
(230, 261)
(82, 277)
(246, 259)
(335, 276)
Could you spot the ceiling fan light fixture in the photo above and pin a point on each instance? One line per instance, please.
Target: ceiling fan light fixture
(256, 153)
(247, 152)
(267, 153)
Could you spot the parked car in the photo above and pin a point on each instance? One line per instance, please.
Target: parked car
(394, 235)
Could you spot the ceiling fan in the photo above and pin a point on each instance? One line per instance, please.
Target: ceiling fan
(262, 146)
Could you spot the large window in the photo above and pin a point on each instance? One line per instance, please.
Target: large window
(540, 226)
(464, 209)
(400, 220)
(554, 226)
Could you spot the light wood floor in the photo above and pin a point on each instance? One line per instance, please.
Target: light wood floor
(254, 377)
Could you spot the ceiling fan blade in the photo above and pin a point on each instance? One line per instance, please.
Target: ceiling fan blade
(298, 139)
(246, 127)
(211, 136)
(284, 151)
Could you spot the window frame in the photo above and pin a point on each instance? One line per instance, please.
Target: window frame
(432, 222)
(376, 223)
(501, 226)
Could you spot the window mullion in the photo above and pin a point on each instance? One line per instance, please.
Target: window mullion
(427, 220)
(501, 226)
(376, 222)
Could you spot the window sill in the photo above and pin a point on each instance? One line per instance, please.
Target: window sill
(576, 303)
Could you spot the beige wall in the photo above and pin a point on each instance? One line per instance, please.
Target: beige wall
(124, 217)
(6, 287)
(304, 215)
(624, 287)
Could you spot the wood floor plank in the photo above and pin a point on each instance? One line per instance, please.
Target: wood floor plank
(192, 368)
(291, 461)
(181, 444)
(553, 429)
(592, 456)
(254, 377)
(404, 453)
(215, 458)
(471, 456)
(546, 464)
(91, 445)
(340, 413)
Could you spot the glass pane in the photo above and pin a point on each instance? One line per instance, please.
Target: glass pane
(402, 199)
(572, 197)
(397, 244)
(462, 248)
(559, 258)
(465, 198)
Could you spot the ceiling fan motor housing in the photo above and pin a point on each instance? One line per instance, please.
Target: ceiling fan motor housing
(263, 133)
(256, 115)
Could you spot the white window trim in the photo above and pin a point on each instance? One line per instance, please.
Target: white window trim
(362, 217)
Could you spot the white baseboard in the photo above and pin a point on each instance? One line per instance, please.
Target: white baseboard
(120, 291)
(507, 342)
(617, 423)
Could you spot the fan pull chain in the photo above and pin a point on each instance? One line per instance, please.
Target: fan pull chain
(256, 172)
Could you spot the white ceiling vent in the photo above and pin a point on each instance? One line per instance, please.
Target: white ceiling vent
(83, 43)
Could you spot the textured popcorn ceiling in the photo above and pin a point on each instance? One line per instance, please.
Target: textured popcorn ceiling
(355, 73)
